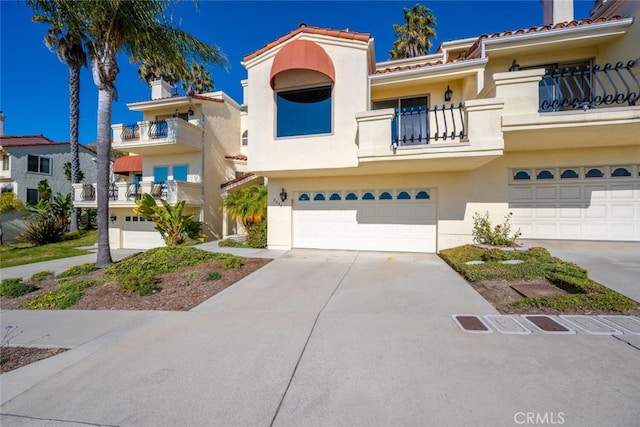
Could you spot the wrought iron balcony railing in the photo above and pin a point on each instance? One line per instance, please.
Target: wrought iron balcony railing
(420, 125)
(589, 87)
(158, 129)
(129, 132)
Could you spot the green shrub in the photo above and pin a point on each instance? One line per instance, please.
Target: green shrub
(149, 290)
(257, 235)
(78, 269)
(14, 288)
(138, 282)
(43, 231)
(499, 235)
(495, 254)
(232, 262)
(213, 275)
(67, 294)
(42, 275)
(230, 243)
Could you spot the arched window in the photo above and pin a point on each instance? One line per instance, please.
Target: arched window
(594, 173)
(245, 138)
(335, 196)
(544, 174)
(318, 196)
(351, 196)
(368, 196)
(568, 174)
(303, 197)
(422, 195)
(403, 195)
(521, 175)
(385, 195)
(621, 172)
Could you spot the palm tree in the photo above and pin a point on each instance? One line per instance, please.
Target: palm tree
(414, 37)
(66, 39)
(156, 68)
(140, 29)
(248, 205)
(197, 80)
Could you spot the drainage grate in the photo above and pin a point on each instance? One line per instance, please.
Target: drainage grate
(590, 325)
(548, 325)
(471, 323)
(628, 324)
(506, 324)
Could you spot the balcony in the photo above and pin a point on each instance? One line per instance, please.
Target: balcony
(169, 136)
(447, 137)
(568, 109)
(122, 194)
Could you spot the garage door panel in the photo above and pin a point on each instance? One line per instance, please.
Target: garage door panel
(599, 208)
(384, 225)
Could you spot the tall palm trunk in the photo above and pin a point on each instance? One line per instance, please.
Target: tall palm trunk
(74, 120)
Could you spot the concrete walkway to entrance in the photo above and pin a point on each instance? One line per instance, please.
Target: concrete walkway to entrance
(326, 338)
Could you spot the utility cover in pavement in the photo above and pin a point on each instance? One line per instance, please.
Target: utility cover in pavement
(628, 324)
(471, 323)
(547, 324)
(590, 325)
(537, 290)
(506, 324)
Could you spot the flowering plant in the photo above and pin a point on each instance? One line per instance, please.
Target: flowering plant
(499, 235)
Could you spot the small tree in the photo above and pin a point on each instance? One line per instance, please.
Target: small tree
(197, 80)
(9, 203)
(414, 37)
(174, 227)
(248, 205)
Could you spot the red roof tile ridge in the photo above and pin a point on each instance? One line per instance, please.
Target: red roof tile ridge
(238, 179)
(414, 66)
(236, 157)
(343, 34)
(40, 136)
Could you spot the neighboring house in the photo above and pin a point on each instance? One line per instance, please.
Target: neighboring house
(28, 159)
(185, 148)
(541, 122)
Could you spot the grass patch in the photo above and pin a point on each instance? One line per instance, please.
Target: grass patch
(585, 294)
(14, 288)
(26, 253)
(137, 273)
(42, 275)
(67, 294)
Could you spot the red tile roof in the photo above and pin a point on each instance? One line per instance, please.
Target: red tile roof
(238, 179)
(236, 157)
(343, 34)
(24, 140)
(474, 52)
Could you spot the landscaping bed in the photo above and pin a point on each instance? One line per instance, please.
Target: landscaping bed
(570, 291)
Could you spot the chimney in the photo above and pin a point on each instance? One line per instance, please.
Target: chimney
(160, 89)
(555, 11)
(1, 124)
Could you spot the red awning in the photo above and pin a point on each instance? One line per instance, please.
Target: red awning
(128, 164)
(302, 55)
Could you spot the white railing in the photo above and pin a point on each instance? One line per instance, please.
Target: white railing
(170, 131)
(126, 192)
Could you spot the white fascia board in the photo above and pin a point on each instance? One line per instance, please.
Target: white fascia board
(143, 105)
(595, 30)
(433, 69)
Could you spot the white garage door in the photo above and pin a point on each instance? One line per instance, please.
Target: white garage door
(140, 234)
(582, 203)
(382, 220)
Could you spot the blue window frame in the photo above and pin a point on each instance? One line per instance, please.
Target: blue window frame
(180, 172)
(385, 195)
(544, 175)
(403, 195)
(304, 197)
(422, 195)
(521, 175)
(368, 196)
(319, 196)
(594, 173)
(335, 196)
(351, 196)
(304, 112)
(620, 172)
(160, 173)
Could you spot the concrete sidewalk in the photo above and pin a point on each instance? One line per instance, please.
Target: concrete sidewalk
(329, 338)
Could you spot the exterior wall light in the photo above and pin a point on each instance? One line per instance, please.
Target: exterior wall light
(190, 112)
(514, 66)
(113, 218)
(447, 94)
(283, 195)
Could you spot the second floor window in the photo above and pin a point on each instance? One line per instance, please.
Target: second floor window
(304, 112)
(245, 138)
(5, 162)
(39, 164)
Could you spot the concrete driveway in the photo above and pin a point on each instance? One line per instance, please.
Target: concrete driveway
(615, 265)
(325, 338)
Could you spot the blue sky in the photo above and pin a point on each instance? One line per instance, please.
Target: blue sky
(33, 82)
